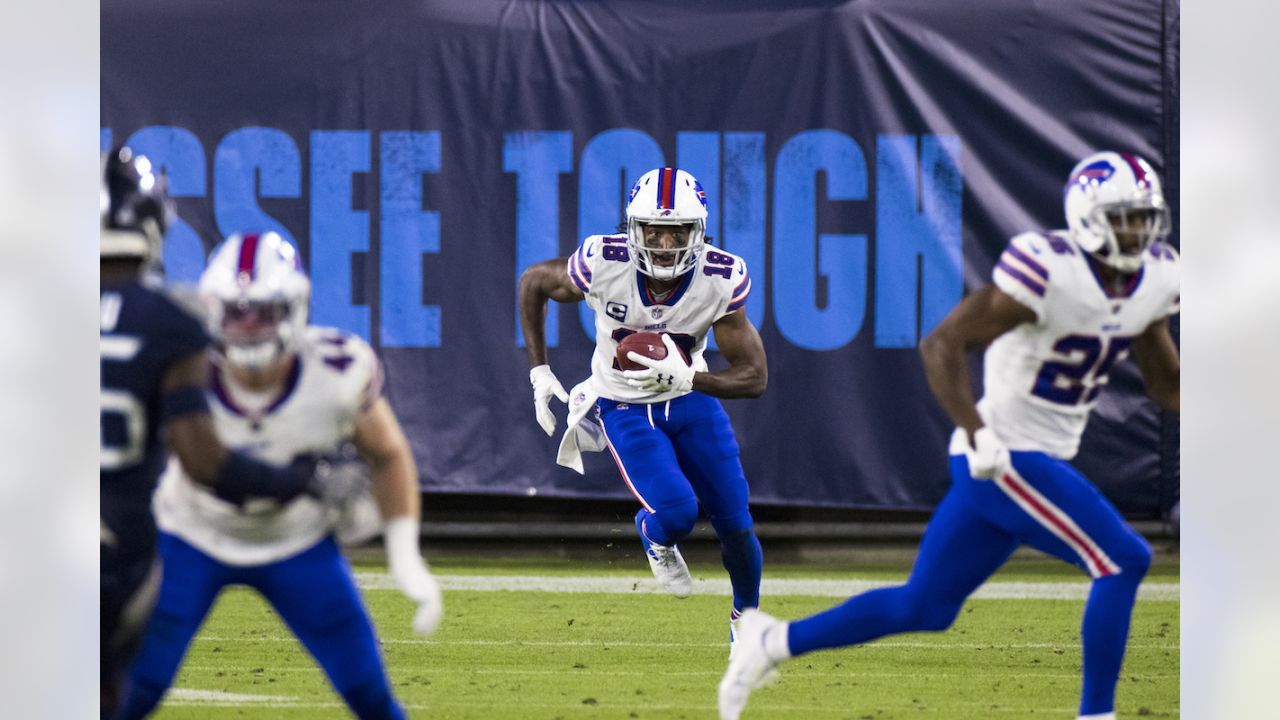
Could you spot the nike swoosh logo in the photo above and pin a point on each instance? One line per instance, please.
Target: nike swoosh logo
(589, 253)
(742, 270)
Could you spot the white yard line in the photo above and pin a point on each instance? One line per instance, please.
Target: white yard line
(187, 697)
(611, 672)
(719, 646)
(191, 696)
(1000, 590)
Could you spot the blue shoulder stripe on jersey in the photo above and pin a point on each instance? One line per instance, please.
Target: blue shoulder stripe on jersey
(739, 297)
(576, 275)
(1021, 277)
(744, 285)
(1057, 244)
(1031, 264)
(582, 262)
(1160, 251)
(737, 304)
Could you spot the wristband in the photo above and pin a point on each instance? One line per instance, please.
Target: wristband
(242, 477)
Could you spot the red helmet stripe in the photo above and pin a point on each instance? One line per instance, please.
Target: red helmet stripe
(1139, 174)
(248, 254)
(667, 188)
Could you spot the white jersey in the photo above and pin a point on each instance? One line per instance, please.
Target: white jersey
(335, 379)
(601, 268)
(1041, 379)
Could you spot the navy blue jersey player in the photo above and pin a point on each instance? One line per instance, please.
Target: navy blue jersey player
(153, 373)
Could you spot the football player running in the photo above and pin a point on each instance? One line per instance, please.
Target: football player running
(670, 436)
(1064, 308)
(153, 372)
(280, 387)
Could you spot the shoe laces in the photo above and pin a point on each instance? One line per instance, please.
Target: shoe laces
(666, 556)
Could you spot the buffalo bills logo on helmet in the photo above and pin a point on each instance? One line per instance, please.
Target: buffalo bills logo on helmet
(1092, 174)
(702, 194)
(634, 189)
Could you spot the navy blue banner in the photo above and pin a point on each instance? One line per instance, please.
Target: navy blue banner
(869, 161)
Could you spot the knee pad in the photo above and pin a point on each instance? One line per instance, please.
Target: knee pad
(676, 520)
(1135, 558)
(737, 540)
(733, 528)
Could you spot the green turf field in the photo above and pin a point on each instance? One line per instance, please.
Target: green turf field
(634, 654)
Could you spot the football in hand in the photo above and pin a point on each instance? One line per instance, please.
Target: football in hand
(648, 344)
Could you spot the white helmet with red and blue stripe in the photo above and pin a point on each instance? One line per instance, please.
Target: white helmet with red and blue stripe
(666, 196)
(257, 295)
(1115, 208)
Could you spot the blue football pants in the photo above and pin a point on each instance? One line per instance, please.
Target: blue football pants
(1045, 503)
(675, 456)
(315, 594)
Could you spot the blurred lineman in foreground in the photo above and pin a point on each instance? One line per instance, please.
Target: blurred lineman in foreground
(153, 374)
(279, 388)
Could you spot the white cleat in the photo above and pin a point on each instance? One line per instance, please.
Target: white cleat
(734, 616)
(670, 569)
(733, 636)
(750, 666)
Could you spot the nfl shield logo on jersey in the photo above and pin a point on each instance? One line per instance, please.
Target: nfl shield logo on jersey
(656, 313)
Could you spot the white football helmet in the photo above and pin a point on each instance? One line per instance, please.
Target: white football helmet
(666, 196)
(257, 295)
(1115, 208)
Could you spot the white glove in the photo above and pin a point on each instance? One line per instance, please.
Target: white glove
(987, 455)
(670, 374)
(545, 385)
(410, 573)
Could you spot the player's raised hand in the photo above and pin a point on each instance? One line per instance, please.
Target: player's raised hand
(987, 454)
(545, 385)
(670, 374)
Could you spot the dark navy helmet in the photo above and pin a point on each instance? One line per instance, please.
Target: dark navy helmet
(135, 209)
